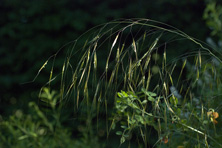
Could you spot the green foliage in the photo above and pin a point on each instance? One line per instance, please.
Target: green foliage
(122, 59)
(157, 94)
(213, 16)
(31, 31)
(41, 128)
(130, 107)
(179, 128)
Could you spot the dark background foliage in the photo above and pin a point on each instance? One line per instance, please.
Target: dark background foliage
(31, 31)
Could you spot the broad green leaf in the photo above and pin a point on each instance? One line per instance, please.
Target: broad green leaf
(151, 98)
(119, 94)
(119, 133)
(122, 140)
(123, 126)
(23, 137)
(144, 102)
(124, 93)
(148, 93)
(174, 100)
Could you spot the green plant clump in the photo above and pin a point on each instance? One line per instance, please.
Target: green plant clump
(149, 89)
(158, 87)
(41, 129)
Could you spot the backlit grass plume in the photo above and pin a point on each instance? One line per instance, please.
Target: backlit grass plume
(150, 81)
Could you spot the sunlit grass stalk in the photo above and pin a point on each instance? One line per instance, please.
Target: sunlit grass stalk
(127, 64)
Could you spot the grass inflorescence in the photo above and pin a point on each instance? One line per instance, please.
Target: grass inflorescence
(150, 81)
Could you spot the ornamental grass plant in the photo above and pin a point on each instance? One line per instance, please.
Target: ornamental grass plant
(149, 83)
(139, 82)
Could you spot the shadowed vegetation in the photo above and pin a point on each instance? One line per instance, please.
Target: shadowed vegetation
(161, 91)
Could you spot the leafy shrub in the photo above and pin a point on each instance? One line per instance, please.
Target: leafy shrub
(41, 128)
